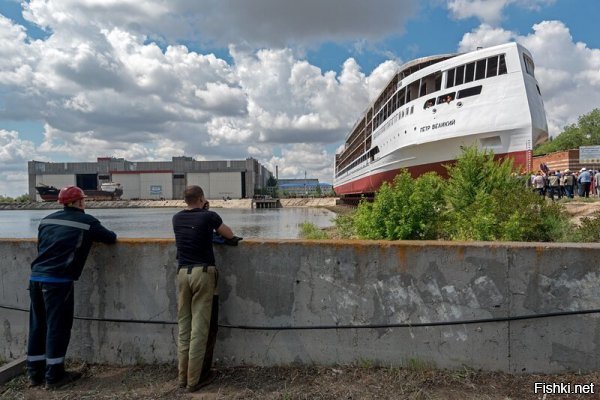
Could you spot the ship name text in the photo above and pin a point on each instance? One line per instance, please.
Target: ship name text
(438, 125)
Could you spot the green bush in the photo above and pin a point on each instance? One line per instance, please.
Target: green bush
(407, 209)
(24, 198)
(588, 229)
(483, 199)
(487, 201)
(345, 226)
(309, 230)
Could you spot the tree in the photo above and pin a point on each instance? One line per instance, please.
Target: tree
(272, 186)
(24, 198)
(586, 132)
(271, 181)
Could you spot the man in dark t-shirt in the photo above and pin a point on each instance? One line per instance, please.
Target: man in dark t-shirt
(197, 302)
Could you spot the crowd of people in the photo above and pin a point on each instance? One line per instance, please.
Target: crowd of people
(559, 184)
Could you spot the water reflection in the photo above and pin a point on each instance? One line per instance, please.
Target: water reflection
(279, 223)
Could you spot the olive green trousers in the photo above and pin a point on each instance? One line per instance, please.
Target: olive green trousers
(197, 317)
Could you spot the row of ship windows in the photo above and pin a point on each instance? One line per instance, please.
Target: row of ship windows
(359, 160)
(476, 70)
(401, 114)
(448, 97)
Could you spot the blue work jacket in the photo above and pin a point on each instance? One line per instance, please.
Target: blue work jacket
(64, 241)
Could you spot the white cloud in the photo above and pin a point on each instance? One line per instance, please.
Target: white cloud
(106, 91)
(258, 22)
(107, 80)
(490, 11)
(299, 158)
(14, 154)
(568, 73)
(13, 150)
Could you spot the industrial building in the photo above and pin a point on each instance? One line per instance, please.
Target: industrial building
(167, 180)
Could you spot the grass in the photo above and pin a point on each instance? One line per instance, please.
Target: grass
(309, 230)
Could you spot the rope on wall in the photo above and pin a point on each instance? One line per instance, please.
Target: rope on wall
(326, 327)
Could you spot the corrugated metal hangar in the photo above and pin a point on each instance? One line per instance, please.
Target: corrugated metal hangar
(154, 179)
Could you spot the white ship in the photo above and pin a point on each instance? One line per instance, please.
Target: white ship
(434, 106)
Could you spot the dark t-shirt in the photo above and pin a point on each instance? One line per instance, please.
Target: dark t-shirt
(193, 236)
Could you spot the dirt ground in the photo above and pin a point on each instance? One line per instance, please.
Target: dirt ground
(581, 208)
(339, 382)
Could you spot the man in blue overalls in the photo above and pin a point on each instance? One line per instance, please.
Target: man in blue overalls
(64, 241)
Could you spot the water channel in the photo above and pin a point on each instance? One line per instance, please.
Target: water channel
(281, 223)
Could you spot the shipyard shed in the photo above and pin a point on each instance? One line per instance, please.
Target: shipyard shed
(154, 180)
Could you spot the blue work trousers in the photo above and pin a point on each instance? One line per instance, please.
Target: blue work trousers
(50, 323)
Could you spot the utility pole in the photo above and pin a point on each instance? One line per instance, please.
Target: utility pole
(305, 191)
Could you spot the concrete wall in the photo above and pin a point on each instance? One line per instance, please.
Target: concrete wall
(292, 283)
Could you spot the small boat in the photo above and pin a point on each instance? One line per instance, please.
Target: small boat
(107, 191)
(47, 193)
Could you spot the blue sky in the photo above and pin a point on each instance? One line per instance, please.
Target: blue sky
(279, 81)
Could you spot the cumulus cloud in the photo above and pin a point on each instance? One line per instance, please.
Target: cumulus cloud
(568, 72)
(109, 80)
(300, 158)
(14, 154)
(258, 22)
(109, 91)
(490, 11)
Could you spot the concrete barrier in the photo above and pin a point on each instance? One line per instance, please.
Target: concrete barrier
(289, 283)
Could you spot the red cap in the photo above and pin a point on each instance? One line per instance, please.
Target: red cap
(70, 194)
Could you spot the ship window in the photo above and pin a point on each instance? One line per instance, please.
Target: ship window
(538, 89)
(460, 72)
(529, 66)
(431, 83)
(413, 91)
(412, 108)
(492, 67)
(502, 65)
(480, 70)
(423, 88)
(450, 78)
(472, 91)
(469, 72)
(401, 93)
(446, 98)
(429, 103)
